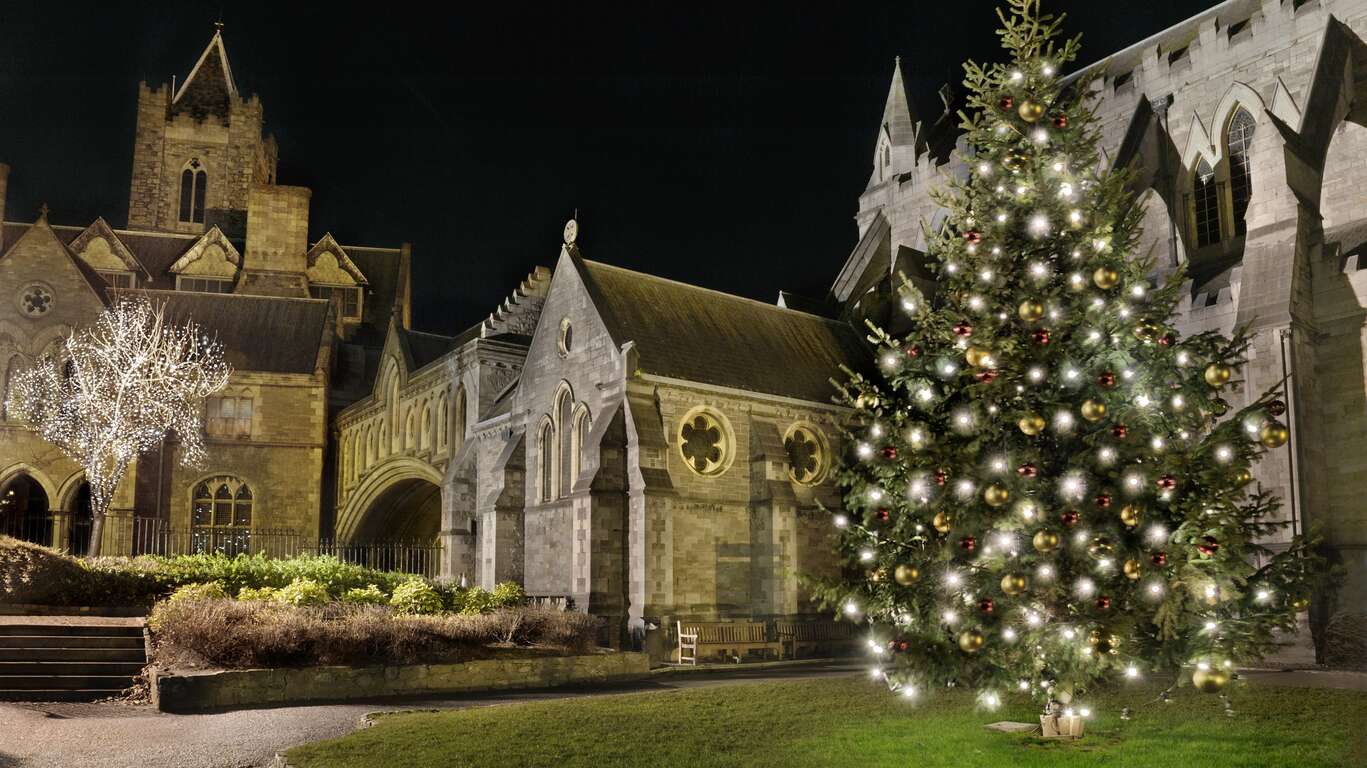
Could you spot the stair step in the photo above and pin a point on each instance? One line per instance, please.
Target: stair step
(57, 694)
(50, 653)
(78, 668)
(71, 641)
(64, 682)
(71, 630)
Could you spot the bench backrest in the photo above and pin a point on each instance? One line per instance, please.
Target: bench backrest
(816, 630)
(727, 632)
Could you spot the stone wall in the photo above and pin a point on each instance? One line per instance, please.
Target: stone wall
(190, 691)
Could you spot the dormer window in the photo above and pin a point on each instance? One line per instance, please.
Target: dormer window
(194, 184)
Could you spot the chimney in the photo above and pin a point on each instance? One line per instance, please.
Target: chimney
(4, 187)
(277, 241)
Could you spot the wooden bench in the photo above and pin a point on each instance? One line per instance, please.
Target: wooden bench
(796, 634)
(733, 638)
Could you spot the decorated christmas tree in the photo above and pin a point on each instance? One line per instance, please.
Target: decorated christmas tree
(1047, 486)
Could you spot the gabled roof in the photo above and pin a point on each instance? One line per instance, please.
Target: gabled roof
(209, 86)
(695, 334)
(214, 236)
(424, 348)
(100, 230)
(898, 120)
(328, 245)
(41, 228)
(259, 333)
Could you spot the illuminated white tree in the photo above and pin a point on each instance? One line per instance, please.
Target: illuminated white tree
(116, 389)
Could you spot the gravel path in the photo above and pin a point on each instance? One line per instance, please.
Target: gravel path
(131, 736)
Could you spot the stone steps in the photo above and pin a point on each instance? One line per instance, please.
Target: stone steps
(67, 659)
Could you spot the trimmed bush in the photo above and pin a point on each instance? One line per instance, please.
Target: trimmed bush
(416, 597)
(211, 590)
(476, 600)
(33, 574)
(370, 595)
(303, 592)
(509, 594)
(245, 634)
(257, 593)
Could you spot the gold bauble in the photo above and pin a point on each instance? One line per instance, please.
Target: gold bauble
(976, 357)
(1013, 584)
(1046, 541)
(1243, 478)
(1013, 161)
(878, 575)
(1211, 680)
(1030, 111)
(971, 640)
(1030, 311)
(906, 575)
(1300, 603)
(866, 401)
(942, 522)
(1100, 547)
(1274, 435)
(1105, 278)
(1093, 410)
(995, 495)
(1217, 375)
(1147, 331)
(1104, 643)
(1129, 515)
(1032, 424)
(1133, 569)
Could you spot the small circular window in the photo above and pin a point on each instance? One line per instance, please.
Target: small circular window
(705, 441)
(34, 300)
(566, 342)
(807, 453)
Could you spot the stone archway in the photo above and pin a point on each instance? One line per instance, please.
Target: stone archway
(399, 499)
(24, 509)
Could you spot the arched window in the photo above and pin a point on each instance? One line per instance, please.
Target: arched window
(1239, 139)
(582, 424)
(443, 428)
(1205, 205)
(194, 185)
(221, 502)
(425, 428)
(564, 405)
(458, 428)
(545, 462)
(410, 430)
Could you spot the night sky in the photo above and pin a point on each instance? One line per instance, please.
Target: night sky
(722, 145)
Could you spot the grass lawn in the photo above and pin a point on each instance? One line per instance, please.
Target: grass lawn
(852, 722)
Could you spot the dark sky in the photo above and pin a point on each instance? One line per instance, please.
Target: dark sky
(723, 145)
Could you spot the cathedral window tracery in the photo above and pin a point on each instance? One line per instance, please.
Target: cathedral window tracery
(1205, 205)
(705, 441)
(194, 185)
(1239, 141)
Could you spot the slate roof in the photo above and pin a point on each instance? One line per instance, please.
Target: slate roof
(700, 335)
(259, 333)
(424, 347)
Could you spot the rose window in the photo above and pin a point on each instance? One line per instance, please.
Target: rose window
(35, 300)
(806, 454)
(703, 442)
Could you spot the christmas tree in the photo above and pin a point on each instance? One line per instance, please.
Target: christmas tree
(1046, 486)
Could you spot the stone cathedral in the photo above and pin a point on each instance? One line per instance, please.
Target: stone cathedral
(652, 450)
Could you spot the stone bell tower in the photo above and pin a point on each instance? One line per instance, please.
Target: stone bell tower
(198, 149)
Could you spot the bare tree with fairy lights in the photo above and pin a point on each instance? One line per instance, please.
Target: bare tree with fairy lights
(1046, 488)
(116, 389)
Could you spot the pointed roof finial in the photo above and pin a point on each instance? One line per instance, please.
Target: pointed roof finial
(218, 25)
(897, 115)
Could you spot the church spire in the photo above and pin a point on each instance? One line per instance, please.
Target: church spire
(898, 120)
(211, 78)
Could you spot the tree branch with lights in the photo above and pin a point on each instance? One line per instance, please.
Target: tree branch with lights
(116, 389)
(1047, 488)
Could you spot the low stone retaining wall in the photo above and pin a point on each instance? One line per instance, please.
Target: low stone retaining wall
(189, 691)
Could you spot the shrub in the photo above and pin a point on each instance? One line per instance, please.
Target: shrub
(509, 594)
(211, 590)
(257, 593)
(33, 574)
(242, 634)
(370, 595)
(476, 600)
(416, 597)
(303, 592)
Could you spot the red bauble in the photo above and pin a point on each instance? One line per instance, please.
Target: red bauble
(1106, 379)
(1119, 431)
(1060, 121)
(1040, 336)
(986, 605)
(1104, 602)
(904, 646)
(968, 543)
(1027, 470)
(940, 477)
(1167, 482)
(1208, 546)
(884, 513)
(913, 351)
(1103, 500)
(1167, 340)
(1159, 559)
(973, 236)
(1276, 408)
(1006, 103)
(890, 452)
(963, 329)
(1070, 518)
(986, 376)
